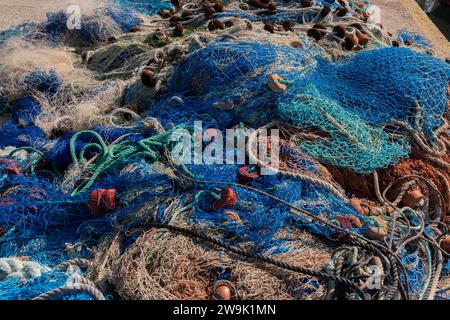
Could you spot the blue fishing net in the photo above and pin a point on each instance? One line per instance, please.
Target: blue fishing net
(347, 101)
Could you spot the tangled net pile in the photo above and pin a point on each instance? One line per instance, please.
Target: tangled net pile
(94, 206)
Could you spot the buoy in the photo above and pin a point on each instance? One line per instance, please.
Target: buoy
(268, 26)
(223, 291)
(321, 28)
(9, 166)
(148, 78)
(178, 30)
(245, 176)
(209, 11)
(342, 11)
(376, 228)
(340, 30)
(228, 200)
(325, 11)
(101, 201)
(275, 83)
(350, 42)
(164, 13)
(219, 7)
(305, 3)
(314, 33)
(357, 26)
(363, 39)
(272, 7)
(232, 215)
(256, 3)
(445, 244)
(288, 25)
(244, 6)
(413, 199)
(216, 24)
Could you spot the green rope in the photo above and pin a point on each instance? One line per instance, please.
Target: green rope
(115, 154)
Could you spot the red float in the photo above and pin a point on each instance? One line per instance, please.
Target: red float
(102, 200)
(228, 200)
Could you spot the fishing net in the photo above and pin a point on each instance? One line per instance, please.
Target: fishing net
(95, 205)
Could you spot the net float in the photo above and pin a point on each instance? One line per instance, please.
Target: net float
(9, 166)
(445, 244)
(350, 42)
(413, 199)
(315, 33)
(135, 29)
(320, 27)
(176, 3)
(276, 83)
(244, 6)
(376, 228)
(325, 11)
(342, 11)
(112, 39)
(357, 26)
(408, 42)
(268, 26)
(272, 7)
(216, 24)
(363, 39)
(209, 11)
(395, 43)
(178, 31)
(219, 7)
(101, 201)
(256, 3)
(306, 3)
(245, 175)
(340, 30)
(223, 291)
(148, 78)
(232, 215)
(228, 199)
(288, 25)
(165, 13)
(2, 230)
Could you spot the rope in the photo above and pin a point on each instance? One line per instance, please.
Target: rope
(72, 289)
